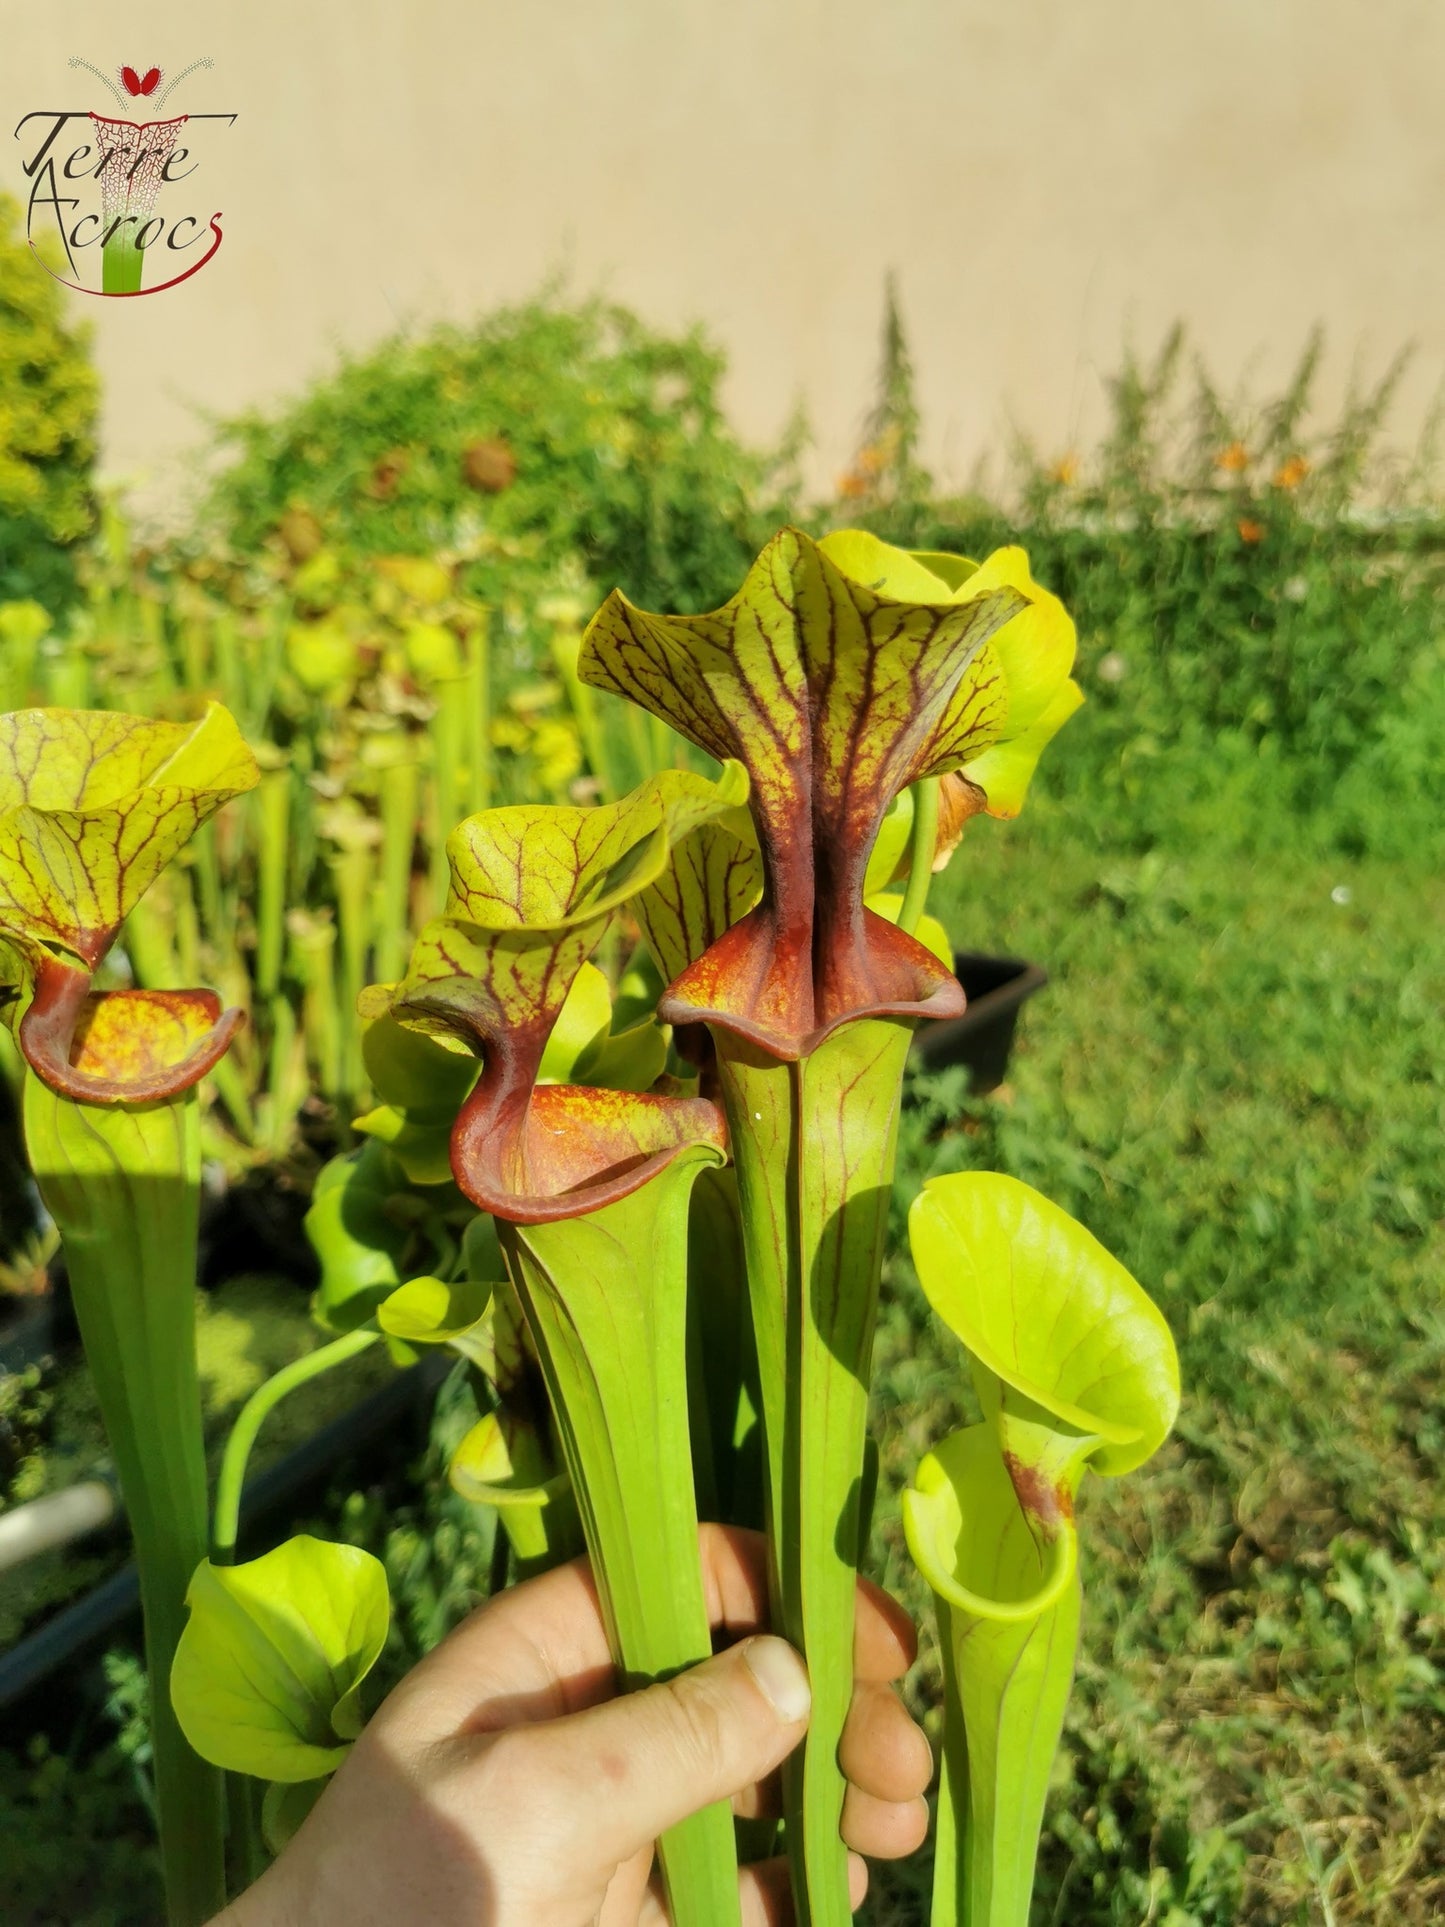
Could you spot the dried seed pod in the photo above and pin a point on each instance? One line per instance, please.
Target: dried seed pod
(489, 465)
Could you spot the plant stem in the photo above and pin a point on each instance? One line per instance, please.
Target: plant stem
(479, 692)
(582, 702)
(605, 1297)
(449, 739)
(123, 1185)
(352, 870)
(400, 787)
(814, 1145)
(273, 802)
(285, 1090)
(249, 1420)
(921, 845)
(315, 941)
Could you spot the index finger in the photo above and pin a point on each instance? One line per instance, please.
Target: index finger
(539, 1650)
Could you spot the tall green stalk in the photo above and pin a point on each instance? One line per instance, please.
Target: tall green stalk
(606, 1300)
(273, 806)
(449, 749)
(479, 705)
(400, 788)
(352, 870)
(814, 1142)
(123, 1185)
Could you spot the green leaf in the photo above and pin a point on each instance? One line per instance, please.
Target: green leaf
(285, 1807)
(267, 1677)
(813, 1145)
(361, 1245)
(628, 1060)
(123, 1186)
(424, 1151)
(423, 1083)
(1074, 1366)
(580, 1030)
(532, 890)
(93, 806)
(638, 989)
(605, 1300)
(952, 570)
(714, 877)
(416, 1075)
(1045, 1308)
(891, 847)
(429, 1311)
(503, 1465)
(930, 932)
(502, 1462)
(481, 1252)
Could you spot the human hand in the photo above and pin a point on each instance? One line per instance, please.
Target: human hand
(505, 1784)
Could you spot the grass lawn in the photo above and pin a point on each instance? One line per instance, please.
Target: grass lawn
(1235, 1080)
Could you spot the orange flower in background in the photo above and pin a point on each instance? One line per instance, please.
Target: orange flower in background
(1291, 473)
(1065, 470)
(868, 465)
(1251, 531)
(1234, 459)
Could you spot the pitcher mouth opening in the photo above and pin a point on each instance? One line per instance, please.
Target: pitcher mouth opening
(764, 991)
(569, 1149)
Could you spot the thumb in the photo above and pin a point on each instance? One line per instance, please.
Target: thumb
(629, 1769)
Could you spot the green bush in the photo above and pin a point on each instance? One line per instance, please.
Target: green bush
(48, 401)
(1257, 600)
(542, 431)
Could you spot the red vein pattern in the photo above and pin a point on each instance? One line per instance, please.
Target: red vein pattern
(833, 697)
(533, 889)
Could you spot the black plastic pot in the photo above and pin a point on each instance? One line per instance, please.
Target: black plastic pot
(997, 989)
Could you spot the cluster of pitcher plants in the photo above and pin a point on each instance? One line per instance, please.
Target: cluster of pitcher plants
(644, 1205)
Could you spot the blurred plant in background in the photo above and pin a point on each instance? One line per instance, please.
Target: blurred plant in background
(49, 396)
(1257, 592)
(542, 433)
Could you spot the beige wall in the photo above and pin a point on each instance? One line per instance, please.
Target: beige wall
(1043, 175)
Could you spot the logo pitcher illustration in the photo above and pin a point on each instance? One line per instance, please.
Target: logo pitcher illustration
(99, 195)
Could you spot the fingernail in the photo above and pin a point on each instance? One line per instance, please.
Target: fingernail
(782, 1676)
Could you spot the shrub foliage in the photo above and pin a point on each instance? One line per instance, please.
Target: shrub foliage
(48, 403)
